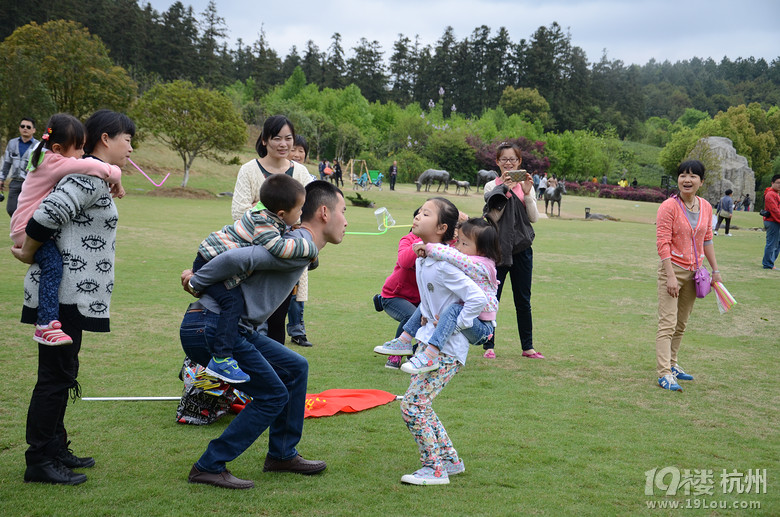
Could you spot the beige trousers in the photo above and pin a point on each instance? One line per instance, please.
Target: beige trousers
(672, 317)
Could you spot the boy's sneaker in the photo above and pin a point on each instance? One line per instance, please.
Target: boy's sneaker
(226, 369)
(427, 476)
(52, 334)
(395, 347)
(667, 382)
(419, 363)
(715, 232)
(454, 468)
(393, 362)
(378, 303)
(680, 374)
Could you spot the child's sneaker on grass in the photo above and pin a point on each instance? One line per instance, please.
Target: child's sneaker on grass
(420, 362)
(226, 369)
(393, 362)
(427, 476)
(52, 334)
(395, 347)
(490, 354)
(453, 468)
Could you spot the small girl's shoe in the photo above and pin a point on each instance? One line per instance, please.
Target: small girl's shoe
(534, 355)
(490, 354)
(420, 363)
(52, 334)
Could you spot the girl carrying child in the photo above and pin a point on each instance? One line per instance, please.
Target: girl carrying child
(441, 285)
(475, 252)
(57, 156)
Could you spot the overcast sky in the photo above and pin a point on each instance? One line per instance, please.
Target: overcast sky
(630, 31)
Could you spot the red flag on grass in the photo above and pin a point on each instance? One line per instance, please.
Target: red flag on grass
(330, 402)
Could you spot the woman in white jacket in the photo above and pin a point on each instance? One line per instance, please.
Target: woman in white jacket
(441, 284)
(274, 146)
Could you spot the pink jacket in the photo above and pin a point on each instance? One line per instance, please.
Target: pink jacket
(772, 204)
(41, 181)
(481, 270)
(402, 282)
(674, 236)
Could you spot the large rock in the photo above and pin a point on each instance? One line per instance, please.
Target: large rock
(725, 169)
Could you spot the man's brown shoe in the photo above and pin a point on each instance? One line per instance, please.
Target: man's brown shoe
(298, 465)
(223, 480)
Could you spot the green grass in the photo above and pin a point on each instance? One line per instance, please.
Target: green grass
(570, 435)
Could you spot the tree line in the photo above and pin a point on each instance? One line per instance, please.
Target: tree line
(547, 71)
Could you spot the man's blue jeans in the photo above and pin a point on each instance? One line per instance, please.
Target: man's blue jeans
(277, 387)
(772, 244)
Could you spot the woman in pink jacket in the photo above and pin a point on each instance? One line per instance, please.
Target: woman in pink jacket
(684, 237)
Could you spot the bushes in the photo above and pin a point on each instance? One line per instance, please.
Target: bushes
(587, 188)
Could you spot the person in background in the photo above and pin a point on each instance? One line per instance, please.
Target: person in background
(542, 183)
(683, 237)
(15, 158)
(746, 203)
(634, 183)
(724, 212)
(604, 179)
(296, 327)
(516, 236)
(273, 146)
(393, 173)
(772, 223)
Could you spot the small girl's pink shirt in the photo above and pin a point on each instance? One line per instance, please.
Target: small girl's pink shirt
(41, 181)
(674, 236)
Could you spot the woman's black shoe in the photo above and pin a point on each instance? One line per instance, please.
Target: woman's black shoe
(300, 341)
(72, 461)
(53, 472)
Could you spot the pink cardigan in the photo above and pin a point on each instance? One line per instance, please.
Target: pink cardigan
(42, 180)
(674, 237)
(402, 282)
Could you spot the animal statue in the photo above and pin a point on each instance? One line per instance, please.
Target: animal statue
(429, 176)
(465, 185)
(552, 196)
(483, 177)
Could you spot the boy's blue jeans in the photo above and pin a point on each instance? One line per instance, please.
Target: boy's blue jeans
(231, 306)
(479, 332)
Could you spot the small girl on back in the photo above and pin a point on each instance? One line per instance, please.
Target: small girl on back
(441, 285)
(475, 252)
(57, 156)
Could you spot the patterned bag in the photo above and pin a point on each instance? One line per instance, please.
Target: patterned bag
(205, 399)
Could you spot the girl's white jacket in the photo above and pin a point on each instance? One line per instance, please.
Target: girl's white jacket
(441, 284)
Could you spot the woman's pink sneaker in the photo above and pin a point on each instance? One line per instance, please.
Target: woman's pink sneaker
(52, 334)
(535, 355)
(490, 354)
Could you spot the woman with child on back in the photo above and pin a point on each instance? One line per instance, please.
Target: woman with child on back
(57, 155)
(80, 216)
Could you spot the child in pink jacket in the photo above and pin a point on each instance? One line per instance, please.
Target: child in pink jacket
(64, 140)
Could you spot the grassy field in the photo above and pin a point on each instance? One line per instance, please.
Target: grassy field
(571, 435)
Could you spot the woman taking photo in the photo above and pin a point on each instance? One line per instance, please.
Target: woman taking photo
(516, 237)
(274, 145)
(683, 237)
(81, 217)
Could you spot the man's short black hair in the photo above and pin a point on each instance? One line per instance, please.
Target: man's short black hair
(281, 192)
(319, 193)
(28, 119)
